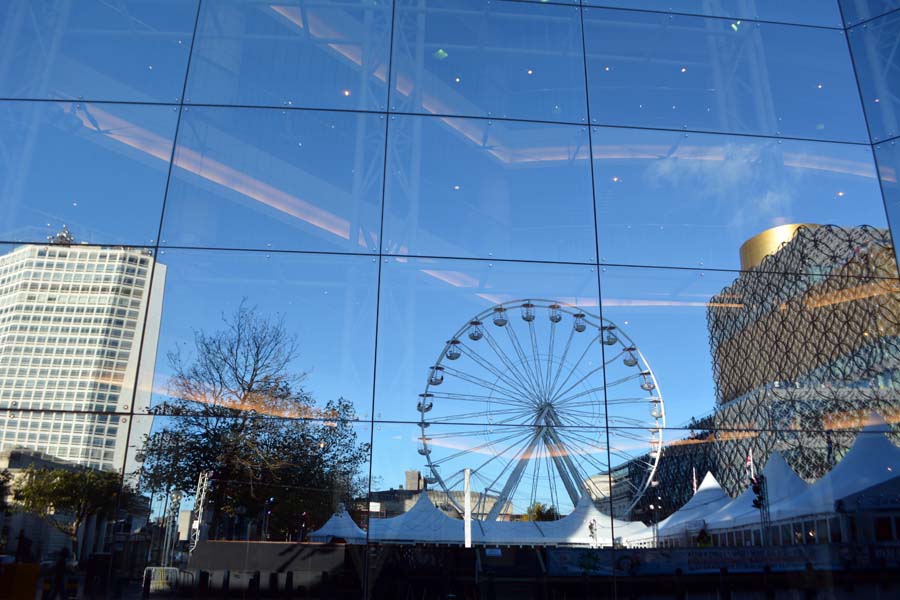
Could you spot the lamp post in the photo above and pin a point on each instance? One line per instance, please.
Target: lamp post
(656, 507)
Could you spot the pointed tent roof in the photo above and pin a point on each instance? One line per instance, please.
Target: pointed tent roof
(781, 483)
(574, 528)
(422, 523)
(872, 460)
(339, 526)
(709, 498)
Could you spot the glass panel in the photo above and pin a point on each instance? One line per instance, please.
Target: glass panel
(329, 54)
(482, 58)
(887, 156)
(478, 188)
(95, 441)
(716, 75)
(269, 504)
(263, 178)
(426, 302)
(693, 200)
(526, 484)
(74, 320)
(306, 321)
(823, 13)
(99, 169)
(134, 50)
(861, 10)
(697, 511)
(61, 475)
(878, 68)
(753, 345)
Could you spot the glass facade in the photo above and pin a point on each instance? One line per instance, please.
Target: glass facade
(450, 298)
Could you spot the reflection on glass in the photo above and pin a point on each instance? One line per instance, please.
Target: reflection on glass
(425, 302)
(74, 320)
(824, 13)
(215, 477)
(772, 505)
(760, 343)
(477, 188)
(57, 509)
(676, 199)
(264, 178)
(887, 155)
(677, 72)
(521, 490)
(878, 68)
(856, 11)
(311, 319)
(98, 168)
(135, 50)
(327, 54)
(488, 59)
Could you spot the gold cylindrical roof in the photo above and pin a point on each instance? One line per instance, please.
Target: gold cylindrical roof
(767, 242)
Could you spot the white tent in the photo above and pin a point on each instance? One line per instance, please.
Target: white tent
(781, 484)
(339, 526)
(709, 498)
(422, 523)
(872, 460)
(575, 528)
(425, 523)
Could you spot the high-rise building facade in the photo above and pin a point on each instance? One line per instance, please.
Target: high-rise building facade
(74, 321)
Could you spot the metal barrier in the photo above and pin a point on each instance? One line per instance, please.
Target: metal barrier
(165, 580)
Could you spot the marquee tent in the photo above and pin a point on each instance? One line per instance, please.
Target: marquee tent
(339, 526)
(781, 484)
(708, 498)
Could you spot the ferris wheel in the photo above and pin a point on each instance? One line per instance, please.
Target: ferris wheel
(541, 401)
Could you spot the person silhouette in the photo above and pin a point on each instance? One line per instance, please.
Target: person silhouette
(59, 576)
(304, 523)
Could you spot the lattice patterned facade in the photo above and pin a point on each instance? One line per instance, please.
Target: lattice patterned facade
(806, 340)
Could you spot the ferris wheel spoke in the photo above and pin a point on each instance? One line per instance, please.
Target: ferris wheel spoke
(494, 457)
(536, 357)
(471, 449)
(511, 420)
(469, 432)
(622, 380)
(569, 419)
(577, 383)
(620, 421)
(610, 361)
(554, 394)
(526, 364)
(486, 365)
(627, 457)
(596, 463)
(480, 414)
(590, 442)
(521, 377)
(562, 360)
(629, 400)
(479, 381)
(550, 348)
(478, 398)
(564, 401)
(631, 435)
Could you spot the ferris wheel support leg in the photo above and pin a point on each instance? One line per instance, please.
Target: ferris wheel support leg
(513, 482)
(564, 466)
